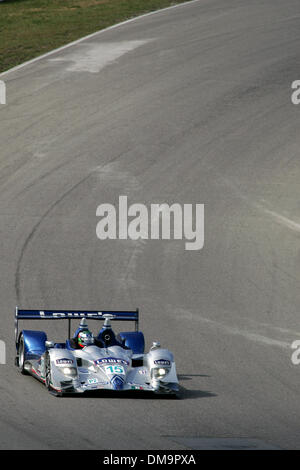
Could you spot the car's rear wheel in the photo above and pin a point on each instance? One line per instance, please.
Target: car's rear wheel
(21, 356)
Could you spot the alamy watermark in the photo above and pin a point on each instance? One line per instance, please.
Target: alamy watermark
(2, 92)
(296, 354)
(2, 353)
(159, 221)
(296, 93)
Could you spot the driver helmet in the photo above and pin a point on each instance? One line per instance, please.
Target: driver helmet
(85, 338)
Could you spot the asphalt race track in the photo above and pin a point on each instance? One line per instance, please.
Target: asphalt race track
(188, 105)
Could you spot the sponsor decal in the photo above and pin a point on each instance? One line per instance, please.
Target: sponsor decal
(93, 381)
(111, 360)
(143, 372)
(117, 382)
(162, 362)
(95, 384)
(36, 372)
(64, 361)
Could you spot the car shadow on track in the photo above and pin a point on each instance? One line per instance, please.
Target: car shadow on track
(188, 394)
(190, 376)
(136, 395)
(183, 394)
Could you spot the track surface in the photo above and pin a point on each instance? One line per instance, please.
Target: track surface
(189, 105)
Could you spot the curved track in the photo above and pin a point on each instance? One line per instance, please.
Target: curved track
(188, 105)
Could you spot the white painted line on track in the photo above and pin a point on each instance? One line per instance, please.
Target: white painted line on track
(289, 223)
(232, 330)
(279, 218)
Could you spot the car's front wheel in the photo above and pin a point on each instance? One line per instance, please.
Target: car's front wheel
(48, 377)
(48, 372)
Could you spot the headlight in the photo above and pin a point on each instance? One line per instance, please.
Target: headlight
(70, 371)
(160, 373)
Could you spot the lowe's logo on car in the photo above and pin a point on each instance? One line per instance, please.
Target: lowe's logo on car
(162, 362)
(64, 360)
(111, 360)
(71, 314)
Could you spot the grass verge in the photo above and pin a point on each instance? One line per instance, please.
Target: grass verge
(29, 28)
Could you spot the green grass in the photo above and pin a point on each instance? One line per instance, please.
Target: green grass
(29, 28)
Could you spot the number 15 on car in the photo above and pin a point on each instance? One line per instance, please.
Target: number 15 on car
(115, 370)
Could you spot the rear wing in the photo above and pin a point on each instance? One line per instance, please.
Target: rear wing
(74, 315)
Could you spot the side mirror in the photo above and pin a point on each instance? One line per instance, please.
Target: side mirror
(49, 344)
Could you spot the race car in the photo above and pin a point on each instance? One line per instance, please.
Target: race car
(85, 362)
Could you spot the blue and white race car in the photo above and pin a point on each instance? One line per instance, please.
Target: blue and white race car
(86, 362)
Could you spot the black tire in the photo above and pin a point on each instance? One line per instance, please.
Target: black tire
(21, 356)
(48, 372)
(48, 377)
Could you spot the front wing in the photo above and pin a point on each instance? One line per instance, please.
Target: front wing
(137, 380)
